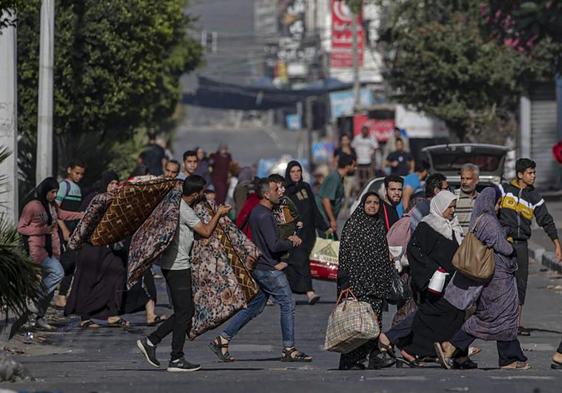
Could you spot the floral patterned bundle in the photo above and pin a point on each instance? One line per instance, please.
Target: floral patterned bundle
(217, 290)
(93, 216)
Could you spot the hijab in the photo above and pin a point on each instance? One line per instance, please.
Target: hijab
(447, 228)
(293, 187)
(364, 258)
(485, 204)
(40, 194)
(99, 187)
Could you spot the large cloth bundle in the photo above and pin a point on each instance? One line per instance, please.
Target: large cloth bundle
(351, 324)
(221, 279)
(92, 217)
(324, 259)
(153, 237)
(132, 205)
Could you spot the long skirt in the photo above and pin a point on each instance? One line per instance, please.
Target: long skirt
(435, 321)
(360, 355)
(298, 270)
(98, 285)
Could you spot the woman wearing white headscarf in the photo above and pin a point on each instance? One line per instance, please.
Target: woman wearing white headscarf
(430, 253)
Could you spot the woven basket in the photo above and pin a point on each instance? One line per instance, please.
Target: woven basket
(129, 209)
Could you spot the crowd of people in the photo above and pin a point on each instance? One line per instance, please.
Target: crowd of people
(400, 231)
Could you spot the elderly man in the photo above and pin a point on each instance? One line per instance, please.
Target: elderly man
(466, 194)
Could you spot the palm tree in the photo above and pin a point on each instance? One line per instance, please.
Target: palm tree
(18, 275)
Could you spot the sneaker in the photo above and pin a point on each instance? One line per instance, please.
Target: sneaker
(148, 351)
(182, 365)
(41, 324)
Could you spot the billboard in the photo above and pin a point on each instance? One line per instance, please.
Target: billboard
(341, 55)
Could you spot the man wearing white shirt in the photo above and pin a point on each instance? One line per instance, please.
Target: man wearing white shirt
(365, 146)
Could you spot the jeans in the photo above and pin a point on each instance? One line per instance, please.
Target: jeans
(272, 283)
(52, 273)
(179, 324)
(401, 330)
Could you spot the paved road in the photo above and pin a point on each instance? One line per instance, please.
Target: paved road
(107, 360)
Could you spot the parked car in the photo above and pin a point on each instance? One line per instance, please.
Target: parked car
(449, 159)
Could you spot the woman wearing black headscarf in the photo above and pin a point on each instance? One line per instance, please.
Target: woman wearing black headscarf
(365, 267)
(298, 271)
(38, 224)
(99, 279)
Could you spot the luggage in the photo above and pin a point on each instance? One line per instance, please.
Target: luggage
(351, 324)
(324, 259)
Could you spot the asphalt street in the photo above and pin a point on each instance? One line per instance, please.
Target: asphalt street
(106, 360)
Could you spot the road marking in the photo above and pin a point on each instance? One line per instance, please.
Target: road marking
(531, 347)
(398, 378)
(523, 377)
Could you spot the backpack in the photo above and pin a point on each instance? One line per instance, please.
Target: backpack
(398, 237)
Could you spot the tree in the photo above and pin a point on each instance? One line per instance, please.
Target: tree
(117, 69)
(439, 61)
(18, 275)
(525, 23)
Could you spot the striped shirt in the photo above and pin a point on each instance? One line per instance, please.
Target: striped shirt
(465, 204)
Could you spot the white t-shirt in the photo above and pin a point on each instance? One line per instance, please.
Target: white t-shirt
(176, 256)
(364, 148)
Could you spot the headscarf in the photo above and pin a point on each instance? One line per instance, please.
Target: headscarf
(485, 203)
(292, 187)
(440, 203)
(364, 260)
(99, 187)
(40, 194)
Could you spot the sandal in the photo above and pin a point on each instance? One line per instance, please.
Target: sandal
(401, 362)
(388, 348)
(445, 361)
(556, 365)
(294, 355)
(313, 300)
(217, 346)
(516, 365)
(89, 324)
(158, 319)
(120, 323)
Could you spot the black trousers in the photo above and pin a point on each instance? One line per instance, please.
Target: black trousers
(179, 284)
(508, 351)
(522, 273)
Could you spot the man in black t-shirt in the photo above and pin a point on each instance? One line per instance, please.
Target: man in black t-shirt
(401, 162)
(154, 156)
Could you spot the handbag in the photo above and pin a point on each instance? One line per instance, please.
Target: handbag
(399, 292)
(351, 324)
(324, 259)
(474, 259)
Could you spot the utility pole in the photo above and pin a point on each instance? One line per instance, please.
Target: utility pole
(355, 58)
(45, 103)
(8, 118)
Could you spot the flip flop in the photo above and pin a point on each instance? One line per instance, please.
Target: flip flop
(89, 324)
(157, 320)
(120, 323)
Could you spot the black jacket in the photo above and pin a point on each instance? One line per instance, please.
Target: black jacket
(518, 208)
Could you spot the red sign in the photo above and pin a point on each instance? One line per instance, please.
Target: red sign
(380, 128)
(342, 36)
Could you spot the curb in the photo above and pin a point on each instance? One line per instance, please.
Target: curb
(546, 258)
